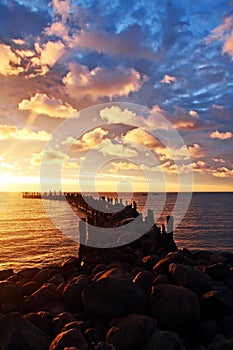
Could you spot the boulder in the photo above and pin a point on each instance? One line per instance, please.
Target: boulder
(117, 273)
(174, 306)
(70, 338)
(72, 292)
(144, 279)
(131, 332)
(45, 294)
(217, 303)
(28, 273)
(149, 261)
(218, 272)
(162, 265)
(9, 293)
(163, 340)
(221, 345)
(41, 320)
(18, 333)
(188, 276)
(61, 320)
(4, 274)
(111, 298)
(30, 287)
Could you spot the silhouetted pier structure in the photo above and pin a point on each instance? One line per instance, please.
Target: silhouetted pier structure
(106, 212)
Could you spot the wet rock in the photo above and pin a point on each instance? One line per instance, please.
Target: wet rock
(44, 295)
(173, 306)
(164, 340)
(116, 273)
(149, 261)
(163, 265)
(30, 287)
(104, 346)
(5, 274)
(17, 333)
(28, 273)
(217, 303)
(70, 338)
(221, 345)
(131, 332)
(57, 279)
(218, 271)
(9, 293)
(188, 276)
(61, 320)
(41, 319)
(42, 275)
(92, 337)
(81, 325)
(160, 279)
(111, 298)
(8, 307)
(144, 279)
(72, 292)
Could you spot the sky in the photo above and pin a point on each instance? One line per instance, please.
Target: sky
(174, 58)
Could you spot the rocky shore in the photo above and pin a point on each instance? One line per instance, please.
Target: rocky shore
(137, 297)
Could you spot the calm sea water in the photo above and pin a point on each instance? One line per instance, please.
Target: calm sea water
(29, 238)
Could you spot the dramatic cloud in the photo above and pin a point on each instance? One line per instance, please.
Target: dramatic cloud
(196, 151)
(13, 132)
(114, 148)
(223, 172)
(90, 140)
(51, 155)
(10, 62)
(42, 104)
(221, 135)
(144, 138)
(102, 82)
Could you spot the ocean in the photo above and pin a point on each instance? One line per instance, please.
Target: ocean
(29, 238)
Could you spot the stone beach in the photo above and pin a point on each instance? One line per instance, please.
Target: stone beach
(141, 296)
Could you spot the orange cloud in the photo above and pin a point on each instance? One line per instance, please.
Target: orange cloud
(7, 131)
(196, 151)
(90, 140)
(221, 135)
(10, 62)
(102, 82)
(47, 56)
(168, 79)
(142, 137)
(223, 172)
(42, 104)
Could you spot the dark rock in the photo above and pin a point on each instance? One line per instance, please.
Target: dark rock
(41, 319)
(204, 332)
(72, 293)
(92, 337)
(81, 325)
(44, 295)
(111, 298)
(164, 340)
(70, 338)
(173, 306)
(227, 323)
(163, 265)
(57, 279)
(131, 332)
(188, 276)
(9, 293)
(217, 303)
(17, 333)
(61, 320)
(8, 307)
(221, 345)
(116, 273)
(160, 279)
(28, 273)
(71, 261)
(218, 271)
(5, 274)
(30, 287)
(45, 274)
(144, 279)
(104, 346)
(149, 261)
